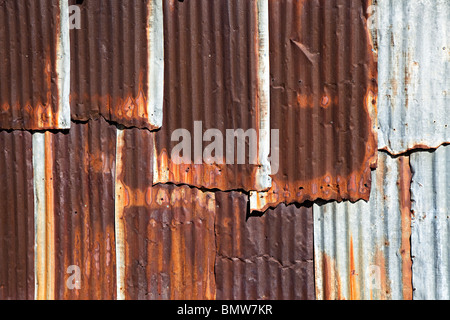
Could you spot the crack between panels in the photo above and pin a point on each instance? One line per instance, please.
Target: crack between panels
(266, 258)
(413, 150)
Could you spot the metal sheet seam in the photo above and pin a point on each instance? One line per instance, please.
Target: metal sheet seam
(155, 38)
(63, 67)
(44, 226)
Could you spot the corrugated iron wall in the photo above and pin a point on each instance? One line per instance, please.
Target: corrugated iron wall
(101, 210)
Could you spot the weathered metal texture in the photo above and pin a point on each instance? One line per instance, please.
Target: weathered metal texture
(268, 257)
(165, 234)
(431, 224)
(16, 217)
(414, 66)
(79, 212)
(217, 65)
(323, 101)
(362, 250)
(34, 72)
(117, 62)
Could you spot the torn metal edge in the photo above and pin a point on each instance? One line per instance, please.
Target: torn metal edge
(63, 67)
(155, 76)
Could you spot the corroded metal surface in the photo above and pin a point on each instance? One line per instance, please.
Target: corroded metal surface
(362, 250)
(268, 257)
(215, 73)
(323, 101)
(34, 64)
(117, 65)
(16, 217)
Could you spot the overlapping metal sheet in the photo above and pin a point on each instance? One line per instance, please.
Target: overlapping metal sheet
(16, 216)
(431, 224)
(165, 234)
(263, 258)
(34, 68)
(323, 101)
(75, 217)
(362, 250)
(414, 63)
(117, 62)
(216, 75)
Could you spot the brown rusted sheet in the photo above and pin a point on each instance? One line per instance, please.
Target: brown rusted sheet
(168, 231)
(29, 42)
(211, 58)
(268, 257)
(16, 217)
(323, 100)
(109, 62)
(82, 185)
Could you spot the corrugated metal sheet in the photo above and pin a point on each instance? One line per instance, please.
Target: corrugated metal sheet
(414, 63)
(431, 224)
(268, 257)
(165, 234)
(16, 217)
(34, 71)
(117, 62)
(216, 58)
(79, 211)
(362, 250)
(323, 101)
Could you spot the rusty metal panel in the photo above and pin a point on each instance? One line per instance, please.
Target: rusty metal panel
(117, 62)
(431, 224)
(216, 74)
(362, 250)
(34, 68)
(323, 101)
(165, 234)
(16, 217)
(414, 66)
(78, 217)
(268, 257)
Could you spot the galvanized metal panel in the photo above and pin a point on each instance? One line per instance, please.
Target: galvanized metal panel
(118, 62)
(166, 240)
(323, 101)
(362, 250)
(268, 257)
(34, 69)
(217, 73)
(431, 224)
(16, 217)
(76, 227)
(414, 63)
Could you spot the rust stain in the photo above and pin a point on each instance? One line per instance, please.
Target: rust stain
(332, 284)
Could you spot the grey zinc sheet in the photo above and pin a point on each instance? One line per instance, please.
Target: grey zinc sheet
(431, 224)
(362, 249)
(414, 66)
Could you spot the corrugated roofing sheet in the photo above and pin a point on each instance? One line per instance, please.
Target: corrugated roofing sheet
(362, 250)
(16, 216)
(78, 185)
(431, 224)
(414, 63)
(263, 258)
(216, 75)
(323, 101)
(117, 62)
(34, 68)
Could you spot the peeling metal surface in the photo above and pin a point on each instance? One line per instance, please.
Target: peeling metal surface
(217, 64)
(263, 258)
(75, 226)
(16, 217)
(323, 101)
(118, 66)
(362, 250)
(431, 224)
(414, 66)
(166, 233)
(33, 69)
